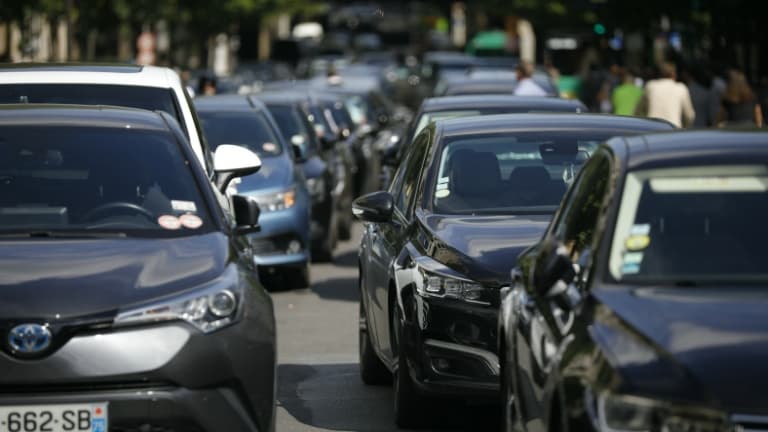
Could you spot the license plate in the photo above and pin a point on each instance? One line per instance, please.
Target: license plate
(87, 417)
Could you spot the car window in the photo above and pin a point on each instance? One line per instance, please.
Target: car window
(293, 128)
(577, 222)
(127, 180)
(510, 172)
(412, 174)
(245, 128)
(691, 224)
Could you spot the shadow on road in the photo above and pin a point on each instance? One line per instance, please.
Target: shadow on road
(346, 259)
(344, 289)
(332, 396)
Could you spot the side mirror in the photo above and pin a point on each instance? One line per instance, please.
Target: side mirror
(374, 207)
(554, 269)
(246, 214)
(231, 161)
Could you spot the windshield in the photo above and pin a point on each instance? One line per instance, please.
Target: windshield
(292, 127)
(64, 178)
(692, 224)
(148, 98)
(524, 172)
(244, 128)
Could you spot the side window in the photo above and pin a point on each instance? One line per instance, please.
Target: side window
(413, 169)
(578, 220)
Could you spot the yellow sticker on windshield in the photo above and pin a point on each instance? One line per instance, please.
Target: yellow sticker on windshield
(638, 242)
(442, 193)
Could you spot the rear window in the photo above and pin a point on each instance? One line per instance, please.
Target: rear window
(148, 98)
(695, 224)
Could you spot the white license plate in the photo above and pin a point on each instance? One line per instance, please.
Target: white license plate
(86, 417)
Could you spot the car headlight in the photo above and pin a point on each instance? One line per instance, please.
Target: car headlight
(208, 308)
(433, 284)
(316, 187)
(622, 413)
(276, 201)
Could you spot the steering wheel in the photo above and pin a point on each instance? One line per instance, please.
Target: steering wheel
(118, 206)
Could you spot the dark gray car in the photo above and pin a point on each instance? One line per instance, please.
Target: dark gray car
(128, 296)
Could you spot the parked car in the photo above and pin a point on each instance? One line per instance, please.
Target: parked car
(129, 299)
(282, 247)
(490, 82)
(292, 112)
(469, 196)
(441, 108)
(642, 308)
(145, 87)
(333, 124)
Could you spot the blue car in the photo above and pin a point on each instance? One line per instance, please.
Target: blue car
(283, 245)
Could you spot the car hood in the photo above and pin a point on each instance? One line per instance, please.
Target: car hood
(61, 279)
(696, 344)
(276, 172)
(483, 248)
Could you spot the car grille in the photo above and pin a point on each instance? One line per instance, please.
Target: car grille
(80, 387)
(155, 428)
(274, 245)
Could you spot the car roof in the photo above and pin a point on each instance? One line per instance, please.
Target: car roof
(684, 147)
(75, 73)
(228, 102)
(97, 116)
(497, 101)
(285, 97)
(499, 123)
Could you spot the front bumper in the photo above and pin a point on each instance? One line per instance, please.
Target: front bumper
(450, 347)
(272, 246)
(161, 408)
(169, 375)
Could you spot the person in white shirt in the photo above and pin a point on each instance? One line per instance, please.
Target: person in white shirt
(526, 86)
(667, 99)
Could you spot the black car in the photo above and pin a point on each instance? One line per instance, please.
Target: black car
(469, 196)
(293, 112)
(447, 107)
(128, 297)
(643, 307)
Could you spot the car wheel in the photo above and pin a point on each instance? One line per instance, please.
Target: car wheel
(345, 228)
(296, 278)
(411, 408)
(372, 370)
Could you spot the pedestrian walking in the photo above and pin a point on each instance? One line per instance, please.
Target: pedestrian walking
(626, 95)
(667, 99)
(705, 99)
(739, 104)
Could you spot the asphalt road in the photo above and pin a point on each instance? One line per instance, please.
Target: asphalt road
(319, 385)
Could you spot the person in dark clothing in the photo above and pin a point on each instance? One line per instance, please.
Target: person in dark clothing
(739, 105)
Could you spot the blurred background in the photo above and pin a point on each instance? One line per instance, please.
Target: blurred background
(245, 43)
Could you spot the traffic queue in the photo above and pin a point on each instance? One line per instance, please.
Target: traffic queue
(515, 251)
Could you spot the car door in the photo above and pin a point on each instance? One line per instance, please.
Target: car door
(544, 325)
(387, 240)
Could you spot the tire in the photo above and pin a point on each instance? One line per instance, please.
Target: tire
(372, 369)
(411, 409)
(507, 397)
(297, 278)
(345, 228)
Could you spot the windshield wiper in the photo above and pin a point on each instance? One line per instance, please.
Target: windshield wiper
(62, 234)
